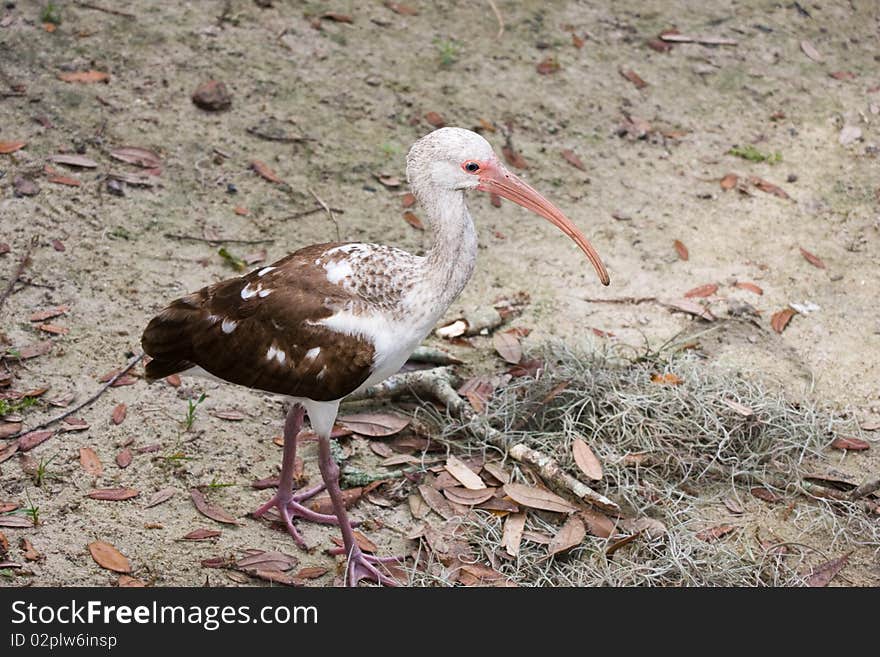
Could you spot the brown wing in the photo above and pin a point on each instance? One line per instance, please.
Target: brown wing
(258, 331)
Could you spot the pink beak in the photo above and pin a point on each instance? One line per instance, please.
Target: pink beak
(496, 179)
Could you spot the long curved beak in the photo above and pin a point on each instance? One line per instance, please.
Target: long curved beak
(496, 179)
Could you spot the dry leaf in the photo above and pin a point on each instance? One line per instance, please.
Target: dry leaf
(729, 181)
(712, 534)
(107, 556)
(513, 158)
(681, 249)
(824, 573)
(209, 510)
(407, 200)
(118, 415)
(264, 171)
(667, 379)
(139, 156)
(362, 541)
(33, 438)
(537, 498)
(768, 187)
(403, 10)
(160, 496)
(311, 572)
(732, 505)
(577, 41)
(508, 347)
(84, 77)
(570, 535)
(229, 415)
(435, 119)
(54, 329)
(751, 287)
(126, 581)
(15, 522)
(337, 17)
(258, 559)
(849, 443)
(434, 499)
(73, 160)
(810, 51)
(65, 180)
(573, 159)
(113, 494)
(742, 409)
(586, 460)
(467, 496)
(634, 77)
(123, 458)
(7, 147)
(374, 425)
(547, 66)
(90, 462)
(780, 319)
(412, 219)
(513, 533)
(765, 494)
(843, 75)
(692, 308)
(467, 477)
(202, 534)
(598, 524)
(323, 504)
(706, 290)
(28, 551)
(812, 259)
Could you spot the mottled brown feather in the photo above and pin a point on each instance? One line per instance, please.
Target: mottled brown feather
(189, 332)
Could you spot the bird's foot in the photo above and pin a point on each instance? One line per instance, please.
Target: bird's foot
(363, 566)
(289, 507)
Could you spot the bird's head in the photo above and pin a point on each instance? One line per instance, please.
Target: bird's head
(455, 159)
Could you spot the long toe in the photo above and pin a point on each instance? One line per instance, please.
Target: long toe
(363, 566)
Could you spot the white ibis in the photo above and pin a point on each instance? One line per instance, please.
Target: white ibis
(332, 319)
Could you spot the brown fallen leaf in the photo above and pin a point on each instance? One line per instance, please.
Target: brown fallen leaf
(230, 415)
(768, 187)
(681, 249)
(463, 474)
(28, 550)
(403, 10)
(311, 572)
(123, 458)
(435, 500)
(810, 51)
(586, 459)
(706, 290)
(413, 220)
(75, 424)
(7, 147)
(54, 329)
(107, 556)
(16, 521)
(173, 380)
(362, 541)
(780, 319)
(577, 41)
(119, 413)
(824, 573)
(72, 160)
(127, 581)
(202, 534)
(113, 494)
(849, 443)
(751, 287)
(8, 451)
(691, 308)
(764, 494)
(812, 259)
(408, 200)
(512, 535)
(570, 157)
(337, 17)
(266, 561)
(548, 66)
(508, 347)
(209, 510)
(667, 379)
(374, 425)
(537, 498)
(8, 429)
(264, 171)
(495, 200)
(570, 535)
(513, 157)
(633, 77)
(712, 534)
(434, 119)
(843, 75)
(729, 181)
(212, 96)
(733, 506)
(33, 438)
(84, 77)
(323, 503)
(64, 180)
(160, 496)
(141, 157)
(468, 497)
(90, 462)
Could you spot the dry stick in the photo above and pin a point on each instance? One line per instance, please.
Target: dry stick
(437, 383)
(865, 489)
(192, 238)
(106, 10)
(304, 213)
(498, 17)
(22, 265)
(134, 361)
(327, 209)
(633, 300)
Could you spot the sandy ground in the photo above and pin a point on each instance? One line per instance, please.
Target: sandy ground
(357, 94)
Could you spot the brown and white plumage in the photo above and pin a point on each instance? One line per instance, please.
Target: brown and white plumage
(330, 319)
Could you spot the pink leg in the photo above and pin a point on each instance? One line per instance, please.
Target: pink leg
(284, 500)
(360, 566)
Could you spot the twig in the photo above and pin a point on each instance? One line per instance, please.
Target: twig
(437, 383)
(865, 489)
(131, 363)
(328, 210)
(498, 17)
(434, 356)
(304, 213)
(106, 10)
(22, 265)
(632, 300)
(192, 238)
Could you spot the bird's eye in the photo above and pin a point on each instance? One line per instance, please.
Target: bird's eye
(471, 167)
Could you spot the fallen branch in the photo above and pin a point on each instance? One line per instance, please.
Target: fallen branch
(106, 10)
(865, 489)
(434, 356)
(91, 400)
(22, 265)
(328, 210)
(192, 238)
(632, 300)
(438, 384)
(304, 213)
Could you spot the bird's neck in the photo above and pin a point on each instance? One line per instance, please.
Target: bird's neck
(450, 261)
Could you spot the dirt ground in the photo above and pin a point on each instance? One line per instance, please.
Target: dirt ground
(343, 102)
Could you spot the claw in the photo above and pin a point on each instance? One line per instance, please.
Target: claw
(360, 566)
(289, 507)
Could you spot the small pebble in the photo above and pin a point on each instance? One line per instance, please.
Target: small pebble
(791, 178)
(115, 187)
(212, 96)
(231, 189)
(25, 187)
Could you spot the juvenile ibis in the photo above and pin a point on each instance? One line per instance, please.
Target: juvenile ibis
(332, 319)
